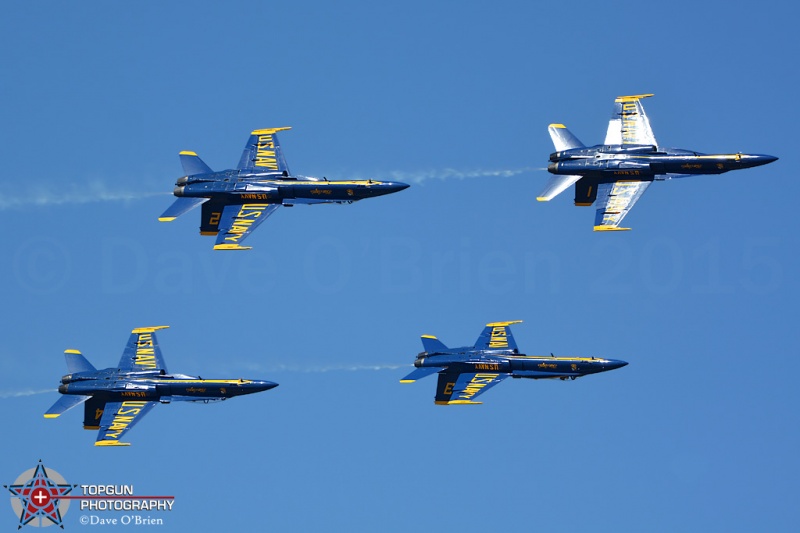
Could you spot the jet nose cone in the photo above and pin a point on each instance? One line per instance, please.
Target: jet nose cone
(395, 186)
(383, 187)
(264, 385)
(755, 160)
(614, 364)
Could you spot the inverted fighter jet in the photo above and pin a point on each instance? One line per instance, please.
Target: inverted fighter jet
(236, 201)
(116, 399)
(466, 373)
(615, 174)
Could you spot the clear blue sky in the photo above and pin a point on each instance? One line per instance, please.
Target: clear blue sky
(698, 433)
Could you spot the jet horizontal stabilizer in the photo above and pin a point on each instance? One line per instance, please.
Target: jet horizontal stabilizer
(420, 373)
(179, 207)
(65, 403)
(556, 186)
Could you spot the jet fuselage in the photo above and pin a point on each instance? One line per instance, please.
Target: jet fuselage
(242, 187)
(518, 365)
(646, 162)
(115, 386)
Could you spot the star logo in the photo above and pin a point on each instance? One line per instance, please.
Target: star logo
(36, 497)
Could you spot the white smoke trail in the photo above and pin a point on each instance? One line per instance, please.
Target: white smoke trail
(452, 173)
(321, 368)
(97, 191)
(58, 194)
(17, 394)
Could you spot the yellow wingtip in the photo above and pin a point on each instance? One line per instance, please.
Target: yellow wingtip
(187, 152)
(610, 228)
(166, 219)
(71, 350)
(48, 415)
(111, 443)
(148, 329)
(542, 199)
(500, 324)
(231, 247)
(556, 126)
(267, 131)
(407, 380)
(428, 336)
(632, 97)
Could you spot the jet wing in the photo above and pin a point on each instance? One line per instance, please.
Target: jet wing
(462, 388)
(614, 200)
(118, 418)
(263, 152)
(142, 352)
(629, 123)
(237, 221)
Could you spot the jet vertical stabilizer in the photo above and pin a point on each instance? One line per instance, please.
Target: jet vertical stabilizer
(76, 362)
(563, 139)
(193, 165)
(432, 344)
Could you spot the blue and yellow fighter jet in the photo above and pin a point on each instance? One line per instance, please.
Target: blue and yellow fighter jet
(236, 201)
(615, 174)
(116, 399)
(466, 373)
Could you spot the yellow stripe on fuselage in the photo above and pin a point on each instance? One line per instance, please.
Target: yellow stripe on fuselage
(170, 380)
(547, 358)
(323, 182)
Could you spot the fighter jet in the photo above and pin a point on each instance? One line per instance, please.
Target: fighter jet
(615, 174)
(116, 399)
(236, 201)
(466, 373)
